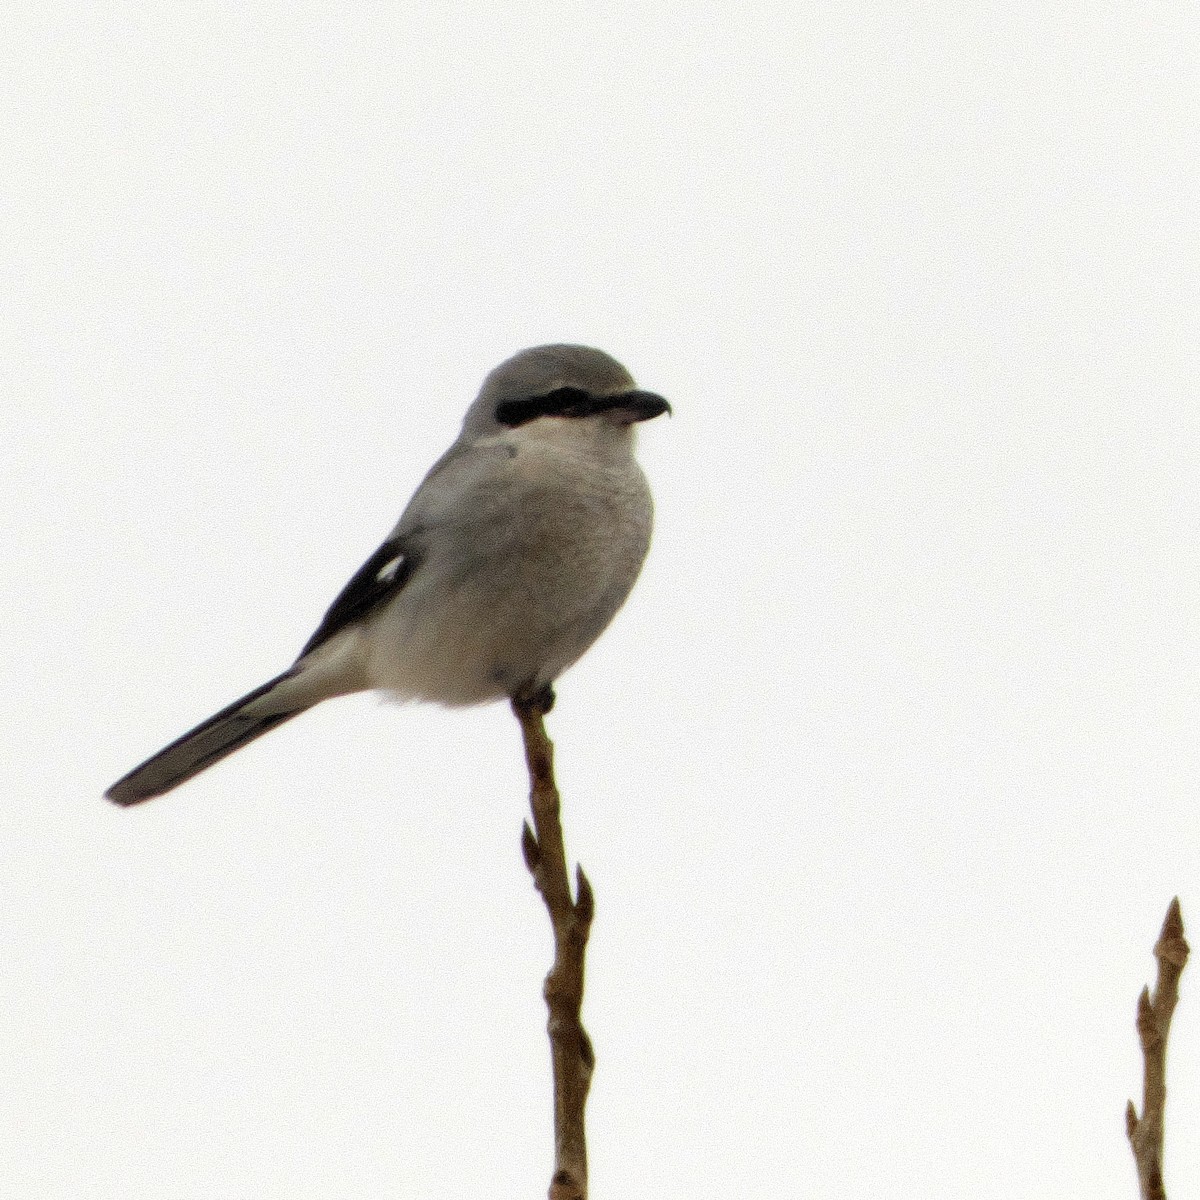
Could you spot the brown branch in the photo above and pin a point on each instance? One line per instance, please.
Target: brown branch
(570, 1049)
(1153, 1026)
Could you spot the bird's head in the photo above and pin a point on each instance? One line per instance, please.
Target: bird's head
(560, 383)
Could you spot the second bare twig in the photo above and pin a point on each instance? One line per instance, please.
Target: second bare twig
(1153, 1025)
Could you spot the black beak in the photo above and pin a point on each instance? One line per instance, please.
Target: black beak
(637, 406)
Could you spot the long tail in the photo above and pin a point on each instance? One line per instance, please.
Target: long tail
(222, 734)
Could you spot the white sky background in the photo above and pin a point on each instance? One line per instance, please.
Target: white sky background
(889, 769)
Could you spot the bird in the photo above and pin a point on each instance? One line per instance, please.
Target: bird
(512, 557)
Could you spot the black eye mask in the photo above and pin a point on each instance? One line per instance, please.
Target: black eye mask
(562, 402)
(575, 402)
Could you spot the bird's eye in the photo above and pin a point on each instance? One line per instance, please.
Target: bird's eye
(563, 398)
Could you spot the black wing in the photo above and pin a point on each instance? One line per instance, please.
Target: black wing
(375, 582)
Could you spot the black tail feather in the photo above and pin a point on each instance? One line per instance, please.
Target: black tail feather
(199, 748)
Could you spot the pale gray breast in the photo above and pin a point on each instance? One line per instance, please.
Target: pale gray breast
(550, 553)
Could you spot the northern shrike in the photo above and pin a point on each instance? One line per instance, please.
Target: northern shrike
(510, 560)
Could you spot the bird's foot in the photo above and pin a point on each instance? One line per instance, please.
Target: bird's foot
(534, 702)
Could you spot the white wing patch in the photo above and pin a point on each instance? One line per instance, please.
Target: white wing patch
(388, 571)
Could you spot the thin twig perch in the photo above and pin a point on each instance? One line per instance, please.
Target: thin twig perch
(570, 1049)
(1153, 1026)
